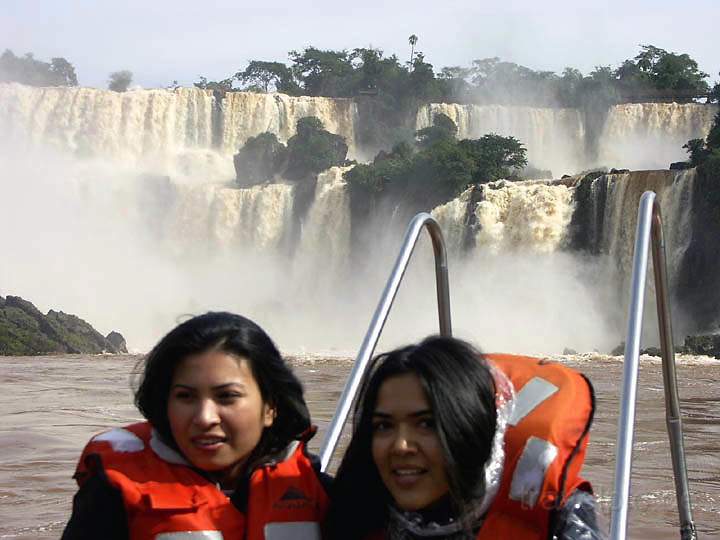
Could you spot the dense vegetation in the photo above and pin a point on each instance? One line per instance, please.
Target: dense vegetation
(705, 153)
(391, 90)
(33, 72)
(437, 168)
(310, 151)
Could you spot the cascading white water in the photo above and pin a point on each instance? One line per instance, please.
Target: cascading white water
(554, 138)
(168, 132)
(159, 131)
(247, 114)
(452, 218)
(674, 192)
(634, 136)
(528, 216)
(651, 135)
(325, 237)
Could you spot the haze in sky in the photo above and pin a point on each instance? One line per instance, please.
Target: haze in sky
(162, 40)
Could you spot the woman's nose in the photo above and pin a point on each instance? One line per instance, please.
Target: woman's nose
(206, 413)
(404, 442)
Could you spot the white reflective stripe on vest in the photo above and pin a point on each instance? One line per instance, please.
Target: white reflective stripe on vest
(529, 475)
(292, 530)
(535, 391)
(190, 535)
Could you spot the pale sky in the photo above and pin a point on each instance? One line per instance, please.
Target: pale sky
(163, 40)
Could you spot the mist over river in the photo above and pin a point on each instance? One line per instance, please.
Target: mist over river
(51, 406)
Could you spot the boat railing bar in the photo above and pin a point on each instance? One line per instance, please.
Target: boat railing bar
(649, 228)
(420, 221)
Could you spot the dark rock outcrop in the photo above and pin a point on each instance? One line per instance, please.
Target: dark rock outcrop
(708, 345)
(680, 166)
(24, 330)
(698, 285)
(117, 340)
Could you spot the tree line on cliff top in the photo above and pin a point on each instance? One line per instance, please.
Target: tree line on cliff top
(58, 72)
(653, 74)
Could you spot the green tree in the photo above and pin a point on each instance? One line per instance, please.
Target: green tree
(33, 72)
(697, 151)
(259, 160)
(119, 81)
(713, 139)
(225, 85)
(412, 40)
(714, 95)
(268, 76)
(63, 72)
(322, 73)
(443, 129)
(664, 71)
(495, 156)
(313, 149)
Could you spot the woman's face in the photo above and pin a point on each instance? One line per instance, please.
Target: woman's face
(216, 411)
(405, 444)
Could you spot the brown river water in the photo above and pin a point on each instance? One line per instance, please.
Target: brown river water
(50, 406)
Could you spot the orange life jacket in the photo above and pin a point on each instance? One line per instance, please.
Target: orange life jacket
(545, 444)
(166, 499)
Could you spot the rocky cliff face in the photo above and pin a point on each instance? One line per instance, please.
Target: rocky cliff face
(24, 330)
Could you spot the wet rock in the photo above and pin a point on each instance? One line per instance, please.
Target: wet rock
(619, 171)
(118, 342)
(651, 351)
(708, 345)
(680, 166)
(568, 350)
(619, 350)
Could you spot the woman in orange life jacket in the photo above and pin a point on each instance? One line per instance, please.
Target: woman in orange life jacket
(222, 453)
(429, 457)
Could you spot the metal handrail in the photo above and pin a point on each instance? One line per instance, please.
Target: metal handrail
(649, 227)
(380, 316)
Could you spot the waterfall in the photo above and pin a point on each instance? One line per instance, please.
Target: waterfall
(453, 220)
(554, 138)
(160, 132)
(651, 135)
(247, 114)
(674, 192)
(523, 216)
(325, 237)
(634, 136)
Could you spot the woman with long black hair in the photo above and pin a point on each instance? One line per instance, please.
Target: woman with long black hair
(222, 453)
(450, 444)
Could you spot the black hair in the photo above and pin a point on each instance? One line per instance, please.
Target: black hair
(240, 337)
(460, 389)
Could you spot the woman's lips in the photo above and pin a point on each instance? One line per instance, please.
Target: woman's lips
(407, 476)
(208, 443)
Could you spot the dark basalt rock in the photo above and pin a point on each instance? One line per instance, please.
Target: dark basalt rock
(117, 340)
(680, 166)
(708, 345)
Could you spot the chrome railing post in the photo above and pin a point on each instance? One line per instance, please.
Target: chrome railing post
(672, 400)
(380, 316)
(649, 225)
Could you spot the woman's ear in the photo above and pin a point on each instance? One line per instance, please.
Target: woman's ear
(269, 414)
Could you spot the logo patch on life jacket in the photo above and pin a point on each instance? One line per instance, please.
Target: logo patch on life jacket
(294, 498)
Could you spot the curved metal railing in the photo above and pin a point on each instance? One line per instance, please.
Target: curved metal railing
(649, 227)
(377, 323)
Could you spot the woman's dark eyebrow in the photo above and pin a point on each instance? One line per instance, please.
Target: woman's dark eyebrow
(218, 387)
(424, 412)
